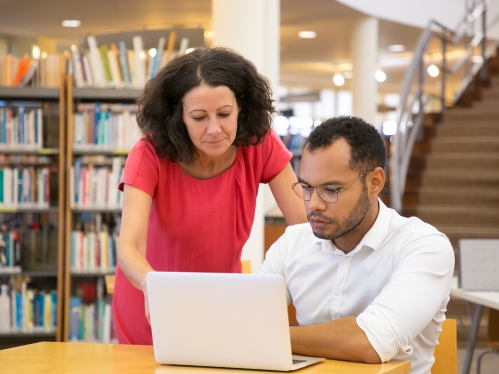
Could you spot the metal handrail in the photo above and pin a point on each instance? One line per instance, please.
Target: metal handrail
(409, 119)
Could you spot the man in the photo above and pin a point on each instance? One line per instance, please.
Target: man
(367, 284)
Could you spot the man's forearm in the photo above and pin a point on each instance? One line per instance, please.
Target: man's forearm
(341, 339)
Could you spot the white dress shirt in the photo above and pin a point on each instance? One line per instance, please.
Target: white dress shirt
(396, 282)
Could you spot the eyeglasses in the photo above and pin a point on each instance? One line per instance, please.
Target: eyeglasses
(326, 192)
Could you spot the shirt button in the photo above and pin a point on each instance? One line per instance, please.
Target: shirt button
(336, 292)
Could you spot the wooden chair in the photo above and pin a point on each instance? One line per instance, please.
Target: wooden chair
(492, 337)
(446, 350)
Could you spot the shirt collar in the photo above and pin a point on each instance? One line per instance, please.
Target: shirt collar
(373, 238)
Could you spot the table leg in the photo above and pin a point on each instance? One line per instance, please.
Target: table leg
(470, 348)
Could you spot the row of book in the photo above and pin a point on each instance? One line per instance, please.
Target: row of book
(96, 186)
(25, 187)
(21, 127)
(91, 322)
(117, 66)
(294, 142)
(105, 126)
(27, 309)
(40, 70)
(27, 241)
(24, 159)
(93, 251)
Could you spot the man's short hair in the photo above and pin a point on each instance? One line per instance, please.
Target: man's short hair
(367, 149)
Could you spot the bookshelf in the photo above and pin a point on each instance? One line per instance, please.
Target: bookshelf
(97, 219)
(32, 144)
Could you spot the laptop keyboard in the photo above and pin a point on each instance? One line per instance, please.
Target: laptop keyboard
(299, 361)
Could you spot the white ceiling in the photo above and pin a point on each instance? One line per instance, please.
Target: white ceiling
(306, 62)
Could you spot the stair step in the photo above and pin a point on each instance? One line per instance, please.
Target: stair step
(459, 196)
(465, 144)
(471, 130)
(486, 160)
(459, 215)
(460, 178)
(471, 114)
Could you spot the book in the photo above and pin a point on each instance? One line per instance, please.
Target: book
(24, 65)
(140, 71)
(96, 62)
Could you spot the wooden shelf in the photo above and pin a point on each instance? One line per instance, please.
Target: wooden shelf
(28, 209)
(108, 94)
(27, 150)
(29, 93)
(92, 273)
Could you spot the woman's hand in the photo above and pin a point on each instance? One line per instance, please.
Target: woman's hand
(143, 285)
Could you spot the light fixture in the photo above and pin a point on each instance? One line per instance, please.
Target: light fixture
(189, 50)
(71, 23)
(380, 76)
(433, 70)
(477, 59)
(152, 52)
(35, 52)
(307, 34)
(389, 128)
(338, 80)
(396, 48)
(44, 54)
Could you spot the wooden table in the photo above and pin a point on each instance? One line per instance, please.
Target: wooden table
(114, 358)
(488, 299)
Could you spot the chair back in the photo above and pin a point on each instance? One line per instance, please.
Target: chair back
(446, 349)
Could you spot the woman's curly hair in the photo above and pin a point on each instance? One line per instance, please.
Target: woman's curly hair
(160, 104)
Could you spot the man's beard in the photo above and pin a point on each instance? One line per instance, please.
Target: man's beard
(355, 218)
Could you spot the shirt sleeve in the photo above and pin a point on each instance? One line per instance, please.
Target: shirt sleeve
(275, 260)
(412, 298)
(275, 156)
(141, 168)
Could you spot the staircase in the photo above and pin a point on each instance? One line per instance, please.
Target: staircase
(459, 191)
(453, 176)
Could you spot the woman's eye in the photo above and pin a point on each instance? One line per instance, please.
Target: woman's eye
(224, 115)
(197, 118)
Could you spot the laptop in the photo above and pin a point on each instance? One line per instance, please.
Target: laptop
(221, 320)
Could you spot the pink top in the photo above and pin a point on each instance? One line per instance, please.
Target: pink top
(194, 225)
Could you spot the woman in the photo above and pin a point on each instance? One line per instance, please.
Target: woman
(190, 184)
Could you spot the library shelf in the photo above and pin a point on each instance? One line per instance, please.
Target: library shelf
(92, 273)
(28, 209)
(80, 151)
(29, 93)
(108, 94)
(53, 100)
(29, 150)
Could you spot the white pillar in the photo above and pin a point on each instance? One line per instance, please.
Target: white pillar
(364, 51)
(251, 27)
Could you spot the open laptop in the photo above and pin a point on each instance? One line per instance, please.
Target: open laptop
(221, 320)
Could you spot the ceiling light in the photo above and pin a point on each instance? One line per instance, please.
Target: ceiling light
(35, 52)
(152, 52)
(347, 75)
(44, 54)
(396, 48)
(389, 128)
(477, 59)
(433, 71)
(338, 80)
(307, 34)
(380, 76)
(189, 50)
(71, 23)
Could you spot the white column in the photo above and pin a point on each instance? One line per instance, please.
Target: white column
(364, 51)
(251, 27)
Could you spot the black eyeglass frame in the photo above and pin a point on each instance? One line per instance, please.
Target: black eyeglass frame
(312, 189)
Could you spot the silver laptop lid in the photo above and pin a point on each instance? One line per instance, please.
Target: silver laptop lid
(221, 320)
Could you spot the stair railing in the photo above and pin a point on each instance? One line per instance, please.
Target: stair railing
(414, 97)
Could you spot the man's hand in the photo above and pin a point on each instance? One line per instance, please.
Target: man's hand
(341, 339)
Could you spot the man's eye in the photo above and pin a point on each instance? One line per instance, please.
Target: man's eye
(329, 189)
